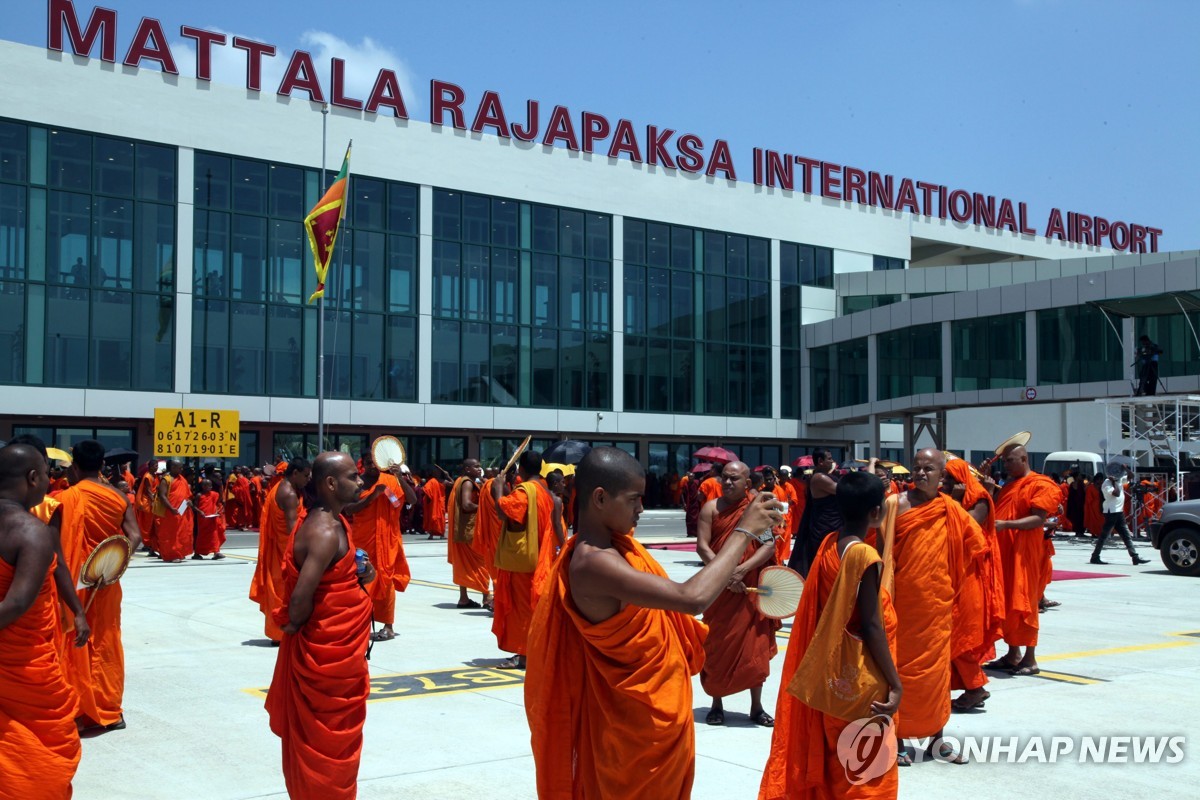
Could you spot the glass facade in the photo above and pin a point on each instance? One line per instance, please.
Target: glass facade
(812, 266)
(1076, 345)
(910, 361)
(521, 303)
(66, 438)
(287, 445)
(253, 330)
(1176, 337)
(799, 265)
(863, 302)
(87, 260)
(697, 321)
(838, 375)
(988, 353)
(885, 263)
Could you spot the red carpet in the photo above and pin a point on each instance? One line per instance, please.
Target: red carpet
(1071, 575)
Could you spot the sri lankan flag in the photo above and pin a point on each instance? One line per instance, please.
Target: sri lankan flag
(323, 222)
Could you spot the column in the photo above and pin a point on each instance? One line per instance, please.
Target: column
(776, 335)
(425, 296)
(618, 314)
(185, 224)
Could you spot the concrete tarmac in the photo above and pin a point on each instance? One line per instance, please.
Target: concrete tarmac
(1120, 657)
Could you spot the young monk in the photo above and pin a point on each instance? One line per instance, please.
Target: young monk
(210, 525)
(317, 702)
(804, 762)
(614, 644)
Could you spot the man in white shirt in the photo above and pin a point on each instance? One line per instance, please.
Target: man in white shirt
(1114, 517)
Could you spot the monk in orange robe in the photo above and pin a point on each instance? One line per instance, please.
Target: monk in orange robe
(614, 644)
(488, 525)
(1093, 506)
(92, 511)
(741, 641)
(257, 493)
(210, 524)
(375, 517)
(523, 555)
(979, 607)
(710, 487)
(470, 570)
(804, 761)
(1022, 507)
(433, 507)
(177, 527)
(937, 544)
(890, 487)
(783, 539)
(39, 743)
(317, 702)
(282, 511)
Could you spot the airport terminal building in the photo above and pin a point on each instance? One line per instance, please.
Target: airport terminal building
(509, 266)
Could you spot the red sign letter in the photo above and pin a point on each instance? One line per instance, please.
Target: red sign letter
(386, 92)
(149, 42)
(337, 94)
(102, 23)
(445, 97)
(254, 53)
(490, 113)
(204, 42)
(595, 128)
(301, 75)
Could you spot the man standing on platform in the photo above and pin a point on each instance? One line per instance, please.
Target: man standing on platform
(470, 570)
(317, 702)
(741, 641)
(282, 510)
(375, 519)
(92, 511)
(821, 515)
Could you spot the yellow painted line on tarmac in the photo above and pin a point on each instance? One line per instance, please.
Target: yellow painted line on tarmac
(433, 585)
(457, 680)
(1111, 651)
(241, 558)
(1067, 677)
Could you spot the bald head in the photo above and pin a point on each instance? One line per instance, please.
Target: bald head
(607, 468)
(471, 468)
(1016, 461)
(335, 480)
(24, 476)
(735, 481)
(929, 467)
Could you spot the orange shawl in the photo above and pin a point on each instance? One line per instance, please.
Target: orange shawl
(317, 702)
(433, 508)
(39, 745)
(516, 593)
(803, 763)
(1023, 555)
(487, 528)
(711, 489)
(741, 641)
(610, 704)
(377, 530)
(470, 570)
(266, 587)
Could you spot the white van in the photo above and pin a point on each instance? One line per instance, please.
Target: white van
(1075, 461)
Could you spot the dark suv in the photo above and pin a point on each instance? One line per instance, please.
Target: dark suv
(1176, 535)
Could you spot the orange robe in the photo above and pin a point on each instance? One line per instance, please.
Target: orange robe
(175, 530)
(515, 594)
(979, 607)
(741, 641)
(470, 570)
(1024, 558)
(91, 513)
(803, 763)
(237, 502)
(1093, 510)
(711, 489)
(210, 533)
(937, 544)
(610, 704)
(317, 702)
(39, 745)
(266, 587)
(433, 508)
(783, 532)
(256, 499)
(801, 489)
(487, 529)
(377, 530)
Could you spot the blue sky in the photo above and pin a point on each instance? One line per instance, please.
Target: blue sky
(1083, 105)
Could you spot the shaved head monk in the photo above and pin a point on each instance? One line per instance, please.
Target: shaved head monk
(318, 697)
(470, 570)
(821, 516)
(741, 641)
(93, 511)
(1022, 507)
(936, 545)
(176, 526)
(282, 511)
(614, 644)
(39, 743)
(523, 554)
(376, 520)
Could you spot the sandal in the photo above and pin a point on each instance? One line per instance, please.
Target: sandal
(763, 718)
(715, 717)
(383, 636)
(468, 604)
(903, 759)
(960, 705)
(1002, 664)
(510, 663)
(1026, 671)
(949, 755)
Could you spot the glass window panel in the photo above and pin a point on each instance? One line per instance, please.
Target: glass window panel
(155, 173)
(248, 259)
(806, 260)
(68, 252)
(789, 266)
(402, 208)
(716, 371)
(570, 233)
(66, 353)
(284, 335)
(246, 355)
(447, 279)
(338, 339)
(476, 280)
(402, 358)
(153, 342)
(14, 152)
(476, 377)
(505, 265)
(658, 375)
(112, 238)
(658, 302)
(823, 267)
(740, 384)
(445, 361)
(635, 241)
(12, 332)
(13, 226)
(402, 274)
(288, 264)
(287, 191)
(70, 159)
(683, 376)
(505, 222)
(735, 255)
(759, 259)
(154, 259)
(714, 252)
(635, 373)
(683, 249)
(545, 366)
(370, 255)
(366, 363)
(572, 358)
(598, 293)
(113, 163)
(715, 309)
(447, 211)
(658, 244)
(248, 186)
(476, 222)
(545, 229)
(572, 280)
(370, 196)
(635, 299)
(850, 362)
(737, 309)
(111, 345)
(212, 244)
(760, 312)
(820, 387)
(211, 187)
(789, 380)
(599, 236)
(598, 371)
(545, 290)
(503, 368)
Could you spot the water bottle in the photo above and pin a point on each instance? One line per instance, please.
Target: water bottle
(360, 561)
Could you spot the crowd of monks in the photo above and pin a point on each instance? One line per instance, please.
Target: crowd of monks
(949, 564)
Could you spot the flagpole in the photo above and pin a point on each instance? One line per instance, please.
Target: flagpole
(321, 308)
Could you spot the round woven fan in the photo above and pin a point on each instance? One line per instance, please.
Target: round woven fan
(105, 565)
(387, 452)
(1016, 440)
(778, 592)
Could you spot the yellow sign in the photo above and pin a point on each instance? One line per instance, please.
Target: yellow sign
(196, 433)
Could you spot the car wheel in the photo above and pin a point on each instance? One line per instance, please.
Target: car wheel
(1181, 551)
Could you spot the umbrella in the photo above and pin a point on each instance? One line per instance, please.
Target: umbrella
(703, 466)
(568, 451)
(54, 454)
(803, 461)
(119, 455)
(717, 455)
(565, 469)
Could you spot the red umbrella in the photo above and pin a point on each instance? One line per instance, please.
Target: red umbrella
(701, 467)
(803, 461)
(717, 455)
